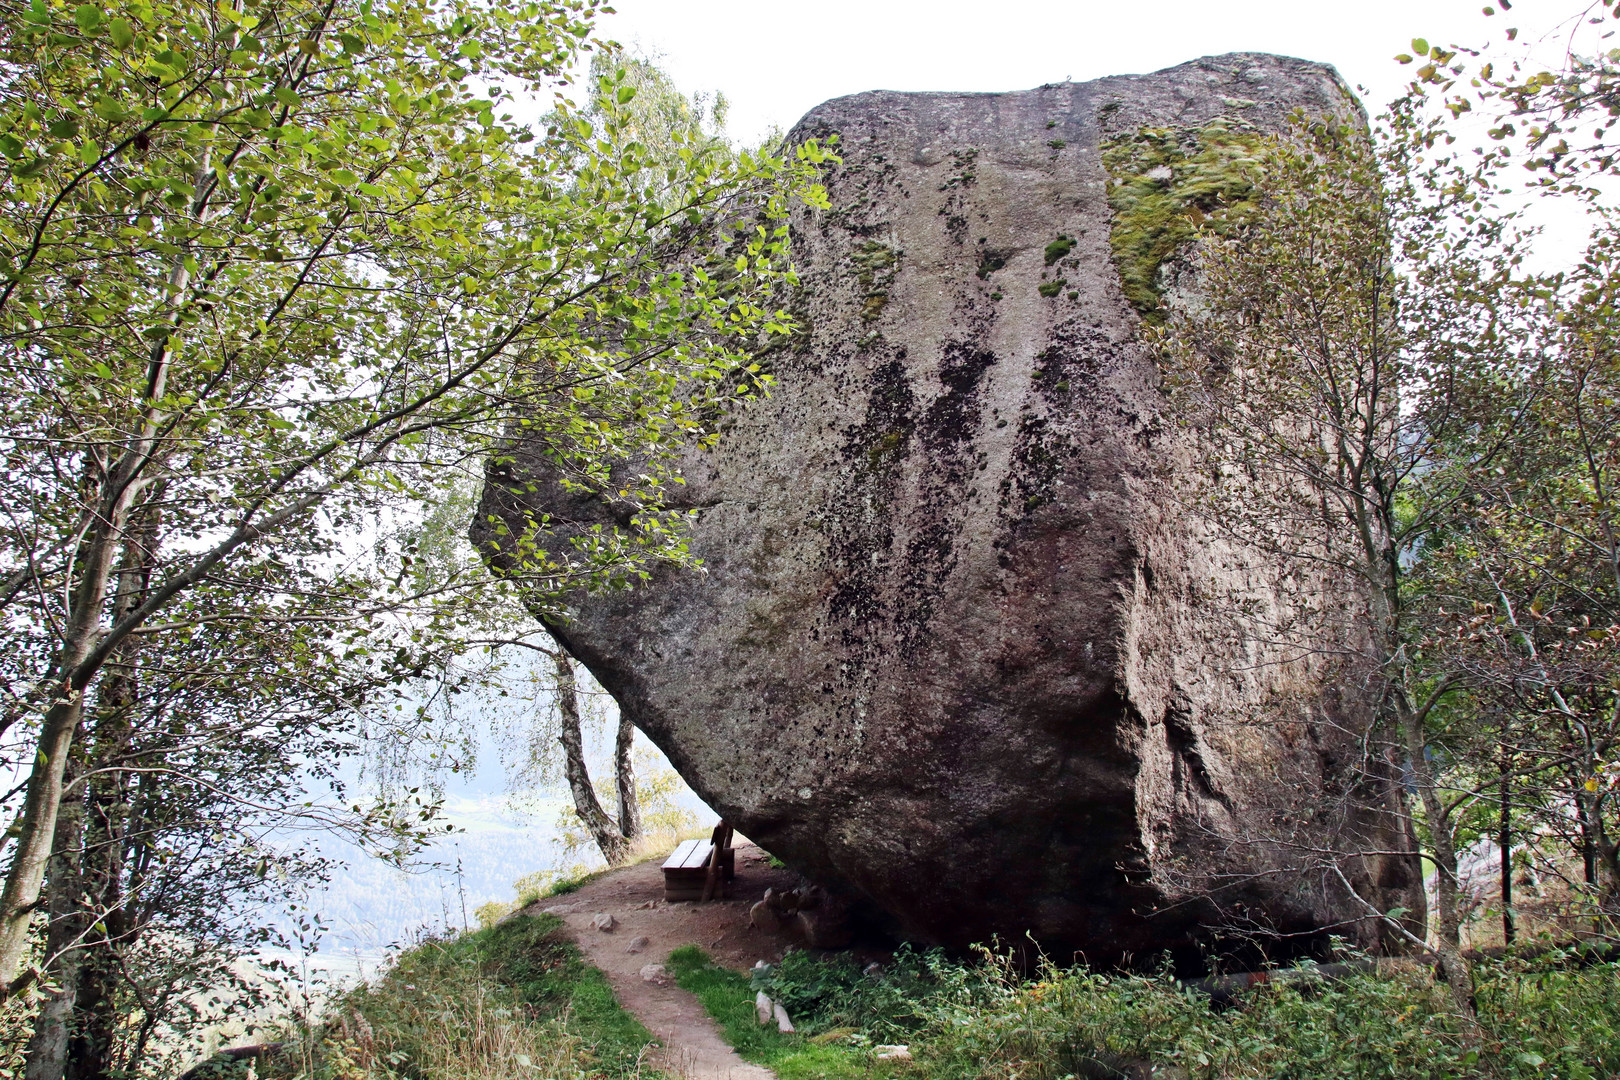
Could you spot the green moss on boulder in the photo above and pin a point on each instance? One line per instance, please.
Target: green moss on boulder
(1166, 183)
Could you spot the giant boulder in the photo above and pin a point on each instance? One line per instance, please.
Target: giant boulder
(956, 651)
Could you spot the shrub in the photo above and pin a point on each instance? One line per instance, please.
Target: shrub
(985, 1020)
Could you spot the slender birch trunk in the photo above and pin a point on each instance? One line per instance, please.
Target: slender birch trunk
(603, 829)
(624, 774)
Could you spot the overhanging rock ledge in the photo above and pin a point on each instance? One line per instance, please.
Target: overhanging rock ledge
(955, 654)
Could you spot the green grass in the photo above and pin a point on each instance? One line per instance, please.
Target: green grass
(513, 1001)
(546, 972)
(729, 999)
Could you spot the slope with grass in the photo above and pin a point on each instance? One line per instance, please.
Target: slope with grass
(510, 1002)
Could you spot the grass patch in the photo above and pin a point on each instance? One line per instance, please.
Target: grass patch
(729, 999)
(510, 1002)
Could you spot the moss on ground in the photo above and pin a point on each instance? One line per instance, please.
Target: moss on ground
(1166, 183)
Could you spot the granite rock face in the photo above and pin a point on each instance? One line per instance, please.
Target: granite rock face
(955, 654)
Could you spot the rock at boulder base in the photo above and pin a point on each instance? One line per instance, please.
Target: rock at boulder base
(954, 652)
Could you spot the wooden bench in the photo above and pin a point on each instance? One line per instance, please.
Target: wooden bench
(691, 874)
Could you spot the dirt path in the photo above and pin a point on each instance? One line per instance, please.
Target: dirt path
(646, 930)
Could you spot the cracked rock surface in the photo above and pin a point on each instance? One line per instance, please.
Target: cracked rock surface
(956, 654)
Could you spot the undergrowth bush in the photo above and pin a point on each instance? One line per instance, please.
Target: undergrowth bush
(888, 1002)
(985, 1020)
(727, 997)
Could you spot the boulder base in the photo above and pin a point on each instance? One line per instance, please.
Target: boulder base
(955, 653)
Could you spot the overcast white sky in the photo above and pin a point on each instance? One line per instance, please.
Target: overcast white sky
(775, 61)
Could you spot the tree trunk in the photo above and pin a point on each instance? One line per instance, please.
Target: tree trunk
(624, 774)
(1454, 969)
(37, 831)
(41, 805)
(54, 1027)
(1607, 854)
(603, 829)
(106, 827)
(106, 833)
(1504, 842)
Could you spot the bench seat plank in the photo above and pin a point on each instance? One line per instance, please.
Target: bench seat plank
(678, 858)
(686, 871)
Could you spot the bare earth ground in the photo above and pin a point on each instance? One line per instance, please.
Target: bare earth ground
(634, 896)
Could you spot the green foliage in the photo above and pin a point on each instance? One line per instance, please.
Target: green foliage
(728, 997)
(1164, 185)
(985, 1021)
(889, 1004)
(271, 274)
(501, 1002)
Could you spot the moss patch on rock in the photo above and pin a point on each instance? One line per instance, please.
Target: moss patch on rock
(1059, 248)
(875, 266)
(1164, 184)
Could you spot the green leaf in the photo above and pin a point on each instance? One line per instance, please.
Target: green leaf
(110, 110)
(625, 94)
(1420, 46)
(87, 17)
